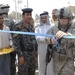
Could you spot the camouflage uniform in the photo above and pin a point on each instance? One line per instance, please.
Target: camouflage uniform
(25, 45)
(9, 22)
(64, 61)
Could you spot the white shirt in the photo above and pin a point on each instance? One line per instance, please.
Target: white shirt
(42, 29)
(5, 38)
(54, 22)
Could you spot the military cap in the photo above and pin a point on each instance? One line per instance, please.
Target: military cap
(27, 10)
(44, 13)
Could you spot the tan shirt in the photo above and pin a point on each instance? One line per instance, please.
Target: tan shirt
(4, 38)
(52, 22)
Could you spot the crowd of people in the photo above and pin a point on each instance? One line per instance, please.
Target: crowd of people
(55, 55)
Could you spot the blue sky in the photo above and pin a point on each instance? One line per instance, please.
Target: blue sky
(39, 5)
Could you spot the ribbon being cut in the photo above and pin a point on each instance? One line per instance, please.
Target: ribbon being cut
(37, 34)
(8, 50)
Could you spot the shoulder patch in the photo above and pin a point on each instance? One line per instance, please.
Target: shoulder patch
(20, 26)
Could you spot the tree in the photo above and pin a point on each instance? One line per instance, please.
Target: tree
(12, 15)
(37, 17)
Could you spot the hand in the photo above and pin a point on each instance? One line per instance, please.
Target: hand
(21, 60)
(60, 34)
(53, 40)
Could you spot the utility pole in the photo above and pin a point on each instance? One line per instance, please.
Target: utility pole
(19, 6)
(18, 2)
(15, 9)
(27, 3)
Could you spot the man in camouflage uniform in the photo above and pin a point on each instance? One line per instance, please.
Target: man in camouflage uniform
(24, 45)
(8, 22)
(65, 52)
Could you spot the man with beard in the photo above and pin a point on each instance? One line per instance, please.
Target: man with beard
(54, 19)
(42, 46)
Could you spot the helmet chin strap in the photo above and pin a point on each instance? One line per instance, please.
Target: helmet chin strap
(66, 26)
(69, 22)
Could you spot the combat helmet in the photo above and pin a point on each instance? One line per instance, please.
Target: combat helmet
(64, 13)
(5, 8)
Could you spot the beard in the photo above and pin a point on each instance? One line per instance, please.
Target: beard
(54, 17)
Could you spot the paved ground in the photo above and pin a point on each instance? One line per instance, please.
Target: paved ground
(36, 72)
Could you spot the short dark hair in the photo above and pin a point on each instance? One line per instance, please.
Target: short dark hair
(54, 10)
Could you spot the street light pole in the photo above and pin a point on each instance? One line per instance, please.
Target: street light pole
(16, 10)
(27, 3)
